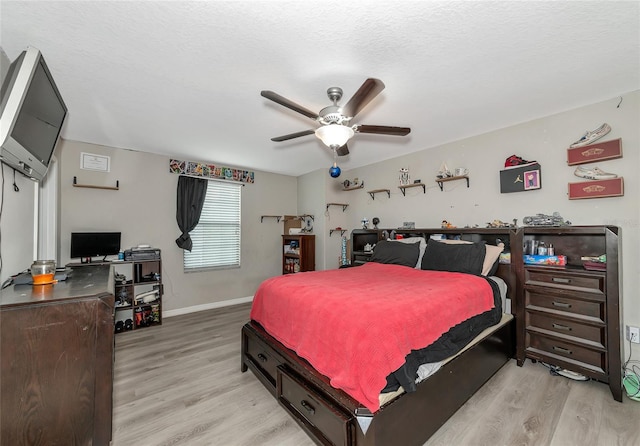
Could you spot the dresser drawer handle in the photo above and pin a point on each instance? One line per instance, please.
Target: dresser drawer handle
(262, 357)
(563, 350)
(308, 407)
(560, 280)
(561, 327)
(561, 304)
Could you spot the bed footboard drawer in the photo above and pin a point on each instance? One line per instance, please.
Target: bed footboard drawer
(318, 416)
(263, 358)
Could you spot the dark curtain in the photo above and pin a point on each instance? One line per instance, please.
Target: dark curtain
(191, 193)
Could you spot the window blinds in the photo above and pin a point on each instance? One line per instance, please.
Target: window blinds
(216, 238)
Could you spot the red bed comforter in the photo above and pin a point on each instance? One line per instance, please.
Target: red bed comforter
(356, 325)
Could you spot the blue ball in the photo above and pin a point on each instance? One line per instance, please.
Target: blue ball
(334, 171)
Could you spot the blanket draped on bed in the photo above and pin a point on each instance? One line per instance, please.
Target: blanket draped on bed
(357, 325)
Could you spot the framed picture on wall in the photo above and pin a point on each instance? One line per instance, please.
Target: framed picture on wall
(521, 178)
(531, 179)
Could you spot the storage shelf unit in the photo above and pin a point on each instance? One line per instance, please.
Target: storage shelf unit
(298, 253)
(570, 316)
(142, 276)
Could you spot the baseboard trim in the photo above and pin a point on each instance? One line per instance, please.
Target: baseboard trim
(209, 306)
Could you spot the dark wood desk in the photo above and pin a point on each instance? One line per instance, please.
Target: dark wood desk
(56, 344)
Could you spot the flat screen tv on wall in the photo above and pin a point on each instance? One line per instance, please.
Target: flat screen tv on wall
(31, 115)
(87, 245)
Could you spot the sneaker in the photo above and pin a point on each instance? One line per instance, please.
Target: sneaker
(590, 137)
(516, 161)
(593, 174)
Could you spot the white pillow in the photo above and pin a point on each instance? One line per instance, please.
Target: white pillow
(422, 247)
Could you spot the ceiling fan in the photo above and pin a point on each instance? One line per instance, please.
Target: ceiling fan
(335, 120)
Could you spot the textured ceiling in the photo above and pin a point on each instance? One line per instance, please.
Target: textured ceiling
(184, 78)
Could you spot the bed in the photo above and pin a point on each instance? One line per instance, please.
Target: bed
(329, 319)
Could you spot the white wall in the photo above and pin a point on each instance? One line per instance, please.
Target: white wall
(144, 210)
(544, 140)
(17, 223)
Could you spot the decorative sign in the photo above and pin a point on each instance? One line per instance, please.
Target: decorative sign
(91, 161)
(598, 151)
(520, 179)
(596, 189)
(210, 171)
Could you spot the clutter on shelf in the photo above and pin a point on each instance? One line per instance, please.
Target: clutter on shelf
(546, 220)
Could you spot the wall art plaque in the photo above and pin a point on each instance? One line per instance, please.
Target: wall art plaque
(613, 187)
(598, 151)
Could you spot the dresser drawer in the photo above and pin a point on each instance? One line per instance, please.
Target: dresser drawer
(262, 358)
(318, 416)
(589, 334)
(592, 359)
(585, 282)
(592, 311)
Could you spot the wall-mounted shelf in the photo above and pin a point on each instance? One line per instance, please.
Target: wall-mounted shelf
(297, 217)
(343, 205)
(342, 231)
(75, 184)
(408, 186)
(377, 191)
(359, 186)
(277, 217)
(444, 180)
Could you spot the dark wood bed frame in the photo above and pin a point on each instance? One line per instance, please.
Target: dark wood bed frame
(328, 415)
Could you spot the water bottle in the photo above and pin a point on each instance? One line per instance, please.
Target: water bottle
(542, 249)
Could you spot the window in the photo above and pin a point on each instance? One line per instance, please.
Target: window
(216, 239)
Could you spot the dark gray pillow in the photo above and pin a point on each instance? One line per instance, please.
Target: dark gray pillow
(459, 258)
(396, 253)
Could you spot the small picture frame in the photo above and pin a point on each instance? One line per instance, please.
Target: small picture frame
(531, 179)
(91, 161)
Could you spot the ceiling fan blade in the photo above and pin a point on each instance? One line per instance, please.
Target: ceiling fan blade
(293, 135)
(275, 97)
(342, 151)
(382, 130)
(367, 91)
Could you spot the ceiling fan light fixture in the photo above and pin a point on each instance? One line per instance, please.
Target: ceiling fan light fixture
(334, 134)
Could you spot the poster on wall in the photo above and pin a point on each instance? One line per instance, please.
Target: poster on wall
(613, 187)
(210, 171)
(600, 151)
(520, 179)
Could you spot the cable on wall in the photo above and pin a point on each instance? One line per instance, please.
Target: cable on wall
(15, 186)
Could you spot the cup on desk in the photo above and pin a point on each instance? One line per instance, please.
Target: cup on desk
(460, 171)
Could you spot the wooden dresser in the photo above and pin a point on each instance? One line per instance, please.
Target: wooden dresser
(570, 316)
(57, 361)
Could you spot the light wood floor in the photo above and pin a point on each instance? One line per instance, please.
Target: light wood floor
(180, 384)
